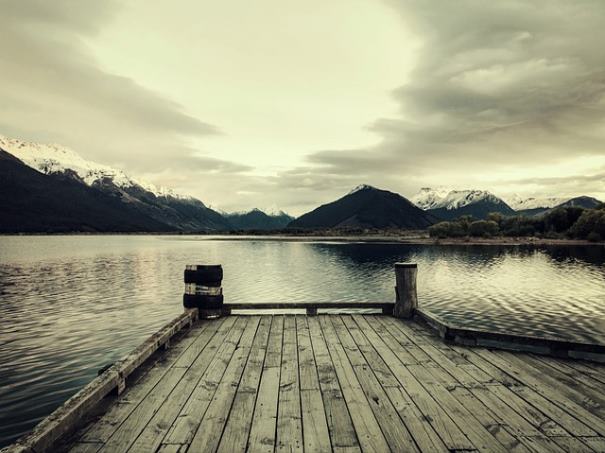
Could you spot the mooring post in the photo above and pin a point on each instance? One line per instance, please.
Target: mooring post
(203, 289)
(406, 298)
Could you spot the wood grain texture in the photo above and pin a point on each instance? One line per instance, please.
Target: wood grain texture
(347, 383)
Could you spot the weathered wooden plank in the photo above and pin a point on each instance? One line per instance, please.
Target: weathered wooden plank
(172, 448)
(140, 382)
(496, 373)
(275, 345)
(408, 353)
(340, 425)
(157, 428)
(466, 421)
(209, 433)
(149, 422)
(208, 368)
(571, 444)
(533, 406)
(237, 429)
(547, 389)
(566, 368)
(488, 417)
(483, 402)
(264, 422)
(315, 428)
(424, 435)
(389, 349)
(289, 417)
(457, 356)
(379, 367)
(435, 351)
(395, 432)
(542, 444)
(575, 383)
(127, 432)
(307, 368)
(571, 400)
(366, 426)
(316, 437)
(102, 429)
(596, 372)
(188, 355)
(494, 434)
(551, 419)
(596, 443)
(85, 447)
(512, 419)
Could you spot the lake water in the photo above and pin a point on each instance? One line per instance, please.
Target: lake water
(71, 304)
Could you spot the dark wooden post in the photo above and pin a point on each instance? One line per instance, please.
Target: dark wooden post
(203, 289)
(406, 299)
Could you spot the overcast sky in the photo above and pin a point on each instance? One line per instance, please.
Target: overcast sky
(292, 103)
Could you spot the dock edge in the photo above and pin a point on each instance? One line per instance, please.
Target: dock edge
(61, 421)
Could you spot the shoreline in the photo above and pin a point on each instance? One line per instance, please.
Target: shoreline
(419, 239)
(414, 241)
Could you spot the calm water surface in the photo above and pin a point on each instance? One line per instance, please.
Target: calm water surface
(71, 304)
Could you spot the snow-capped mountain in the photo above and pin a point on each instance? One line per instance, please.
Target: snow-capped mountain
(275, 211)
(519, 203)
(56, 159)
(361, 187)
(449, 204)
(456, 199)
(444, 198)
(429, 198)
(171, 211)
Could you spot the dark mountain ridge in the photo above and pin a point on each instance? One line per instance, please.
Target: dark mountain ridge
(258, 220)
(367, 207)
(580, 202)
(32, 202)
(478, 210)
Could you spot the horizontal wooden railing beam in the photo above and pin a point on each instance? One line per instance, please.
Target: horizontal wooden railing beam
(310, 307)
(551, 346)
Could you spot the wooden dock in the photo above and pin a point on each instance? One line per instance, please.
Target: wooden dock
(394, 381)
(346, 383)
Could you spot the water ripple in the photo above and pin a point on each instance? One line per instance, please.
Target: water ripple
(70, 305)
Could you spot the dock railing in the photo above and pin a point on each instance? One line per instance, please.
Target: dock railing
(203, 291)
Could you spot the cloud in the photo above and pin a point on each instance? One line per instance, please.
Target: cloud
(568, 185)
(53, 90)
(496, 86)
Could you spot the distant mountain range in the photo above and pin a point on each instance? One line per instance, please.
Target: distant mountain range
(84, 191)
(258, 220)
(581, 202)
(49, 188)
(519, 203)
(450, 204)
(455, 203)
(367, 207)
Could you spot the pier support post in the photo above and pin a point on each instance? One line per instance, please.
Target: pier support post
(406, 298)
(203, 289)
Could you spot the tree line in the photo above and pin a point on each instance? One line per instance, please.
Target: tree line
(564, 222)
